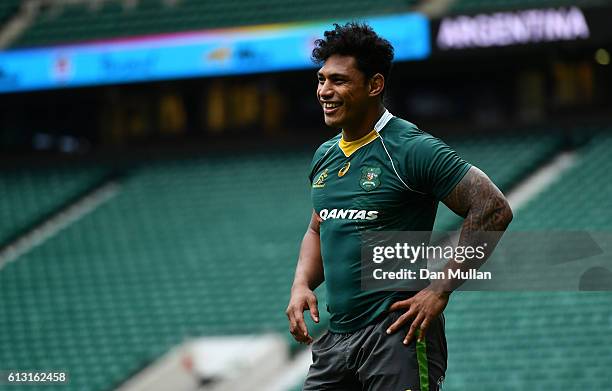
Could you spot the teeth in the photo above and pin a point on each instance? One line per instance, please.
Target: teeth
(331, 105)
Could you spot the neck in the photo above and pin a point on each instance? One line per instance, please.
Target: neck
(365, 126)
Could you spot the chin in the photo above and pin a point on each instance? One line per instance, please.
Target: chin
(332, 122)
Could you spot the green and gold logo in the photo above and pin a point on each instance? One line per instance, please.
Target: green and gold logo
(320, 182)
(370, 178)
(344, 169)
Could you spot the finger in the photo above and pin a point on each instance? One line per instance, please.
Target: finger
(292, 325)
(401, 321)
(297, 327)
(308, 340)
(314, 309)
(423, 329)
(301, 338)
(398, 305)
(301, 328)
(413, 328)
(297, 335)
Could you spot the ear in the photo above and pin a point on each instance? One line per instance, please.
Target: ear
(377, 84)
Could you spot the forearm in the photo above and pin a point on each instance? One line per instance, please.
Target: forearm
(487, 216)
(308, 275)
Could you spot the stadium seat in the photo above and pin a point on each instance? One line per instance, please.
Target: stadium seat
(529, 340)
(207, 246)
(541, 340)
(8, 8)
(586, 187)
(28, 195)
(187, 248)
(506, 160)
(472, 6)
(79, 22)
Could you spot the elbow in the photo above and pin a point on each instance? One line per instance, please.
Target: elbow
(509, 213)
(506, 214)
(498, 214)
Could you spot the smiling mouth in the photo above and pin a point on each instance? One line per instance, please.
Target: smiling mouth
(330, 107)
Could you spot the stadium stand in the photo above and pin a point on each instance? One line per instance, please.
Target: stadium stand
(471, 6)
(207, 247)
(537, 340)
(506, 160)
(529, 340)
(8, 8)
(586, 186)
(552, 339)
(79, 22)
(29, 195)
(189, 248)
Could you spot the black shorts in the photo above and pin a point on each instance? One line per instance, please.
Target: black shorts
(371, 360)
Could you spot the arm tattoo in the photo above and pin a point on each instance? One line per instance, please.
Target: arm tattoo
(480, 202)
(487, 215)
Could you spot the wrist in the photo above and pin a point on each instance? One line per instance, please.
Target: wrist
(299, 285)
(441, 288)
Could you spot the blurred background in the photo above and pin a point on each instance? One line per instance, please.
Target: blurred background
(154, 191)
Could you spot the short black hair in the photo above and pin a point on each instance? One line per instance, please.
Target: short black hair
(372, 53)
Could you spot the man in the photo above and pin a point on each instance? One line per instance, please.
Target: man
(380, 173)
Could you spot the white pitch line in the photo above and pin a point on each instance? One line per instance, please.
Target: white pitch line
(534, 184)
(540, 179)
(58, 222)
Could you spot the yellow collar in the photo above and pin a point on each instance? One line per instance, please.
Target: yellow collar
(349, 147)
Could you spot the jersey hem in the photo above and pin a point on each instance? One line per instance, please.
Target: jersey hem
(354, 326)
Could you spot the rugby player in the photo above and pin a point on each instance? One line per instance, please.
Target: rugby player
(379, 173)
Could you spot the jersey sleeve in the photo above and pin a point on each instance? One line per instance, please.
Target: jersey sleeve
(435, 167)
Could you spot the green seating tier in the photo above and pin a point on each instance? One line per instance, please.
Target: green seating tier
(529, 340)
(208, 246)
(188, 248)
(29, 195)
(506, 160)
(8, 8)
(541, 340)
(472, 6)
(580, 198)
(112, 20)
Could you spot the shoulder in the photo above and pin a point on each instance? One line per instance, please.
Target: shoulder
(325, 148)
(400, 127)
(402, 137)
(427, 163)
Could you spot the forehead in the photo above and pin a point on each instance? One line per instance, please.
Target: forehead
(338, 64)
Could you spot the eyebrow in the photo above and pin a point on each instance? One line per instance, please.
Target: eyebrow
(333, 75)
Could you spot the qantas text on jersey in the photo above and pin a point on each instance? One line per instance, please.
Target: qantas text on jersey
(351, 214)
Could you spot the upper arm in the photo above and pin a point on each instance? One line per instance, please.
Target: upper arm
(432, 166)
(315, 223)
(477, 196)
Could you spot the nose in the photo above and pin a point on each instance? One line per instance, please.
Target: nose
(324, 91)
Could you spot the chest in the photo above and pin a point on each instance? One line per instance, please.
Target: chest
(366, 180)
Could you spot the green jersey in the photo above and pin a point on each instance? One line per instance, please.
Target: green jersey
(389, 180)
